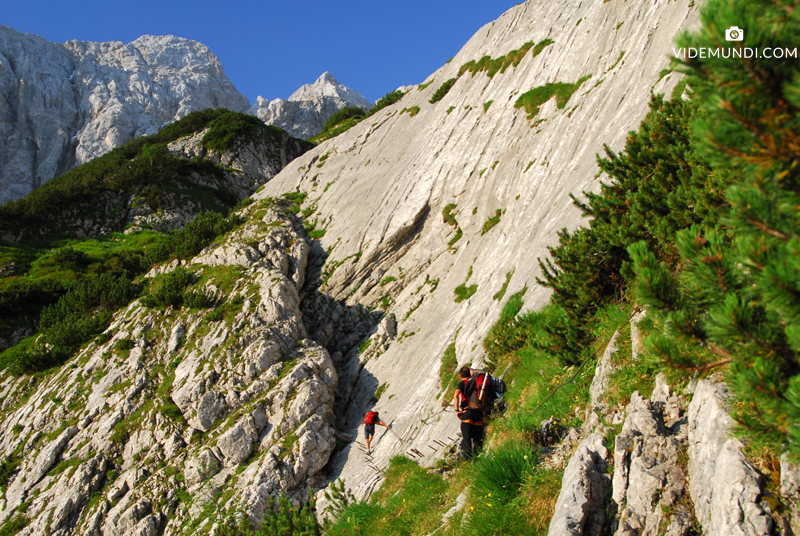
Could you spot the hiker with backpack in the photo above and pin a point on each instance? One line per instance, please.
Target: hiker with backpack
(474, 400)
(370, 420)
(470, 414)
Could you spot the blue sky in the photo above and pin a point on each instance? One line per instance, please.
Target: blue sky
(271, 48)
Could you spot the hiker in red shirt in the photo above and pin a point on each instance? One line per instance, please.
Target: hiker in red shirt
(370, 420)
(471, 418)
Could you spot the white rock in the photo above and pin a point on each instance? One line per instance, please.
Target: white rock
(723, 483)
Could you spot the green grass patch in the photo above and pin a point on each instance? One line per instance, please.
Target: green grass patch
(414, 110)
(486, 105)
(619, 59)
(442, 91)
(464, 292)
(15, 525)
(499, 65)
(448, 216)
(491, 222)
(502, 292)
(410, 502)
(63, 465)
(425, 85)
(449, 366)
(533, 99)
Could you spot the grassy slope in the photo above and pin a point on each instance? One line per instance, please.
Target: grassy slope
(509, 490)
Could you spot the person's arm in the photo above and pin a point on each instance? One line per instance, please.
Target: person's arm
(456, 402)
(382, 423)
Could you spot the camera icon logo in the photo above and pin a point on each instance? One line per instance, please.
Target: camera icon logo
(734, 33)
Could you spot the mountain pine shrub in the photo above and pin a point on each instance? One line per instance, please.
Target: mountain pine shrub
(342, 115)
(736, 297)
(280, 519)
(387, 100)
(658, 185)
(442, 91)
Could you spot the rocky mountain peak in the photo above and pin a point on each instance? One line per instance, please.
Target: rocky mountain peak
(327, 86)
(304, 113)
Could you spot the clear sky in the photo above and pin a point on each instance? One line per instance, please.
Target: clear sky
(270, 48)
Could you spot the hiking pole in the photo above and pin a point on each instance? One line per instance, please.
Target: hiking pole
(395, 435)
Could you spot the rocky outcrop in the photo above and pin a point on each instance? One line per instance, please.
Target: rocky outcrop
(580, 506)
(676, 470)
(649, 485)
(725, 486)
(196, 412)
(306, 110)
(64, 104)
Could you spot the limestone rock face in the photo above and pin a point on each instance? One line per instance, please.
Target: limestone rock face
(379, 191)
(64, 104)
(579, 508)
(305, 112)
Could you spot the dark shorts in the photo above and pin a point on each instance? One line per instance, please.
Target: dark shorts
(369, 430)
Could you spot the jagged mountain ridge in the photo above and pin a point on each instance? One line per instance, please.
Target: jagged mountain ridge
(304, 113)
(65, 104)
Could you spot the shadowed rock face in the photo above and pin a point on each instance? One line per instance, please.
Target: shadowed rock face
(64, 104)
(306, 110)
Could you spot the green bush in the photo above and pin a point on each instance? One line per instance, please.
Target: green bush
(170, 290)
(8, 467)
(510, 333)
(734, 297)
(280, 519)
(70, 258)
(658, 185)
(387, 100)
(229, 127)
(442, 91)
(80, 314)
(342, 115)
(192, 239)
(199, 299)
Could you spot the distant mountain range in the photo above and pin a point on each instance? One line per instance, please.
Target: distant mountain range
(64, 104)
